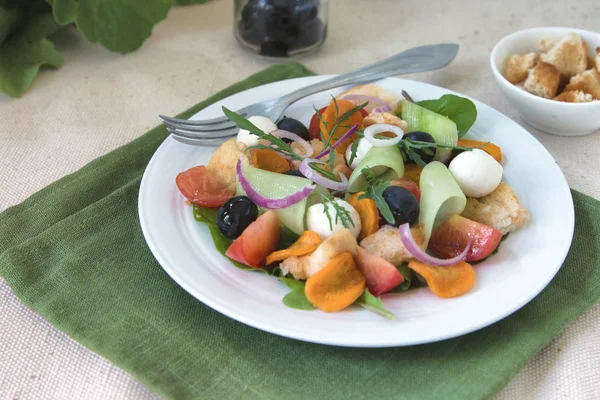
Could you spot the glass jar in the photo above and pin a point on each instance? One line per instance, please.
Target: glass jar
(281, 28)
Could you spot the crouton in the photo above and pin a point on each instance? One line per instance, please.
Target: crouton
(597, 59)
(223, 162)
(588, 81)
(569, 55)
(543, 80)
(303, 267)
(317, 146)
(386, 243)
(518, 66)
(574, 96)
(384, 118)
(373, 90)
(547, 44)
(500, 209)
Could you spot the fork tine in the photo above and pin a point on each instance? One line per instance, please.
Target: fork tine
(200, 128)
(226, 134)
(196, 123)
(196, 142)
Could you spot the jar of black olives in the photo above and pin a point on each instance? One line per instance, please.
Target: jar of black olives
(281, 28)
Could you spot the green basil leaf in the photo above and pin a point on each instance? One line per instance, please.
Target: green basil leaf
(374, 304)
(459, 109)
(296, 298)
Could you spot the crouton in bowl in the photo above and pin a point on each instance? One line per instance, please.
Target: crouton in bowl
(551, 75)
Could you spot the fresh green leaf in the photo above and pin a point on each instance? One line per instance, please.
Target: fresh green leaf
(119, 25)
(296, 298)
(10, 20)
(25, 51)
(205, 214)
(190, 2)
(286, 238)
(459, 109)
(374, 304)
(375, 192)
(408, 278)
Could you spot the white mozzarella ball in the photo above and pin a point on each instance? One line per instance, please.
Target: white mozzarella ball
(363, 148)
(262, 123)
(476, 172)
(318, 220)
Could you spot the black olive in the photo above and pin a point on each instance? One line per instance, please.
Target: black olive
(235, 216)
(294, 172)
(403, 204)
(422, 137)
(294, 126)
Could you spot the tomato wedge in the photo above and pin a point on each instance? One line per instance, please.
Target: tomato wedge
(200, 187)
(314, 129)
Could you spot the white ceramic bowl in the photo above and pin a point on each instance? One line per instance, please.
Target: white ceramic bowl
(555, 117)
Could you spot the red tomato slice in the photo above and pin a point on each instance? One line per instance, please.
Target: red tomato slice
(381, 276)
(200, 187)
(450, 239)
(257, 241)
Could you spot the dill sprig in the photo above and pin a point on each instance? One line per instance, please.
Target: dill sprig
(341, 214)
(375, 192)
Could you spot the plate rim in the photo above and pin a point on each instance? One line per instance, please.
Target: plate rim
(146, 231)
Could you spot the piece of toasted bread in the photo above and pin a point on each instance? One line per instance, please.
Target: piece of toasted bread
(387, 244)
(543, 80)
(588, 81)
(574, 96)
(597, 60)
(223, 162)
(517, 67)
(569, 55)
(500, 209)
(547, 44)
(392, 99)
(384, 118)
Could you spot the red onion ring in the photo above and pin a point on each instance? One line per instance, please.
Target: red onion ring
(271, 204)
(338, 142)
(319, 179)
(417, 252)
(374, 102)
(281, 133)
(373, 130)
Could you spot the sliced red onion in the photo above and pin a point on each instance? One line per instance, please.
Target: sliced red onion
(374, 102)
(382, 109)
(280, 133)
(271, 204)
(319, 179)
(417, 252)
(373, 130)
(338, 142)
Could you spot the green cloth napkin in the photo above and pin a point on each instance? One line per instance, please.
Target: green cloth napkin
(74, 253)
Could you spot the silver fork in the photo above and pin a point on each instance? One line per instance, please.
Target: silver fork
(210, 132)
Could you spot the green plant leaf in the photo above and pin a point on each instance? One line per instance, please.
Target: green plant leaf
(374, 304)
(10, 19)
(296, 298)
(190, 2)
(25, 51)
(459, 109)
(119, 25)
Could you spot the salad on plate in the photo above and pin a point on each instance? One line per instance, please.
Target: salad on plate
(379, 194)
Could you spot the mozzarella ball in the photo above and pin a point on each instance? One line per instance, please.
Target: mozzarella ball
(476, 172)
(363, 148)
(319, 221)
(262, 123)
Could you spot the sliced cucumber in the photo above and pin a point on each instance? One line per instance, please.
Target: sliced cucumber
(442, 128)
(275, 186)
(383, 161)
(441, 197)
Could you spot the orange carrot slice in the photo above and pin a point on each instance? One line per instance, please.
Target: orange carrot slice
(490, 148)
(270, 160)
(369, 216)
(337, 285)
(306, 243)
(331, 116)
(412, 172)
(446, 282)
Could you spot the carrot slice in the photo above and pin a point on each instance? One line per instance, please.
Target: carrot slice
(369, 216)
(330, 117)
(412, 172)
(337, 285)
(270, 160)
(306, 243)
(446, 282)
(490, 148)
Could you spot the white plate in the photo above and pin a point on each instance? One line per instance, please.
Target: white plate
(525, 264)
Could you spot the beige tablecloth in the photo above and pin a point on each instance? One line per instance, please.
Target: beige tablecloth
(99, 101)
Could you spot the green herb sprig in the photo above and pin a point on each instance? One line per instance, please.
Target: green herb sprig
(375, 192)
(408, 149)
(341, 214)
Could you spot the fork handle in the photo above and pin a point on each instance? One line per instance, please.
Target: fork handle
(418, 59)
